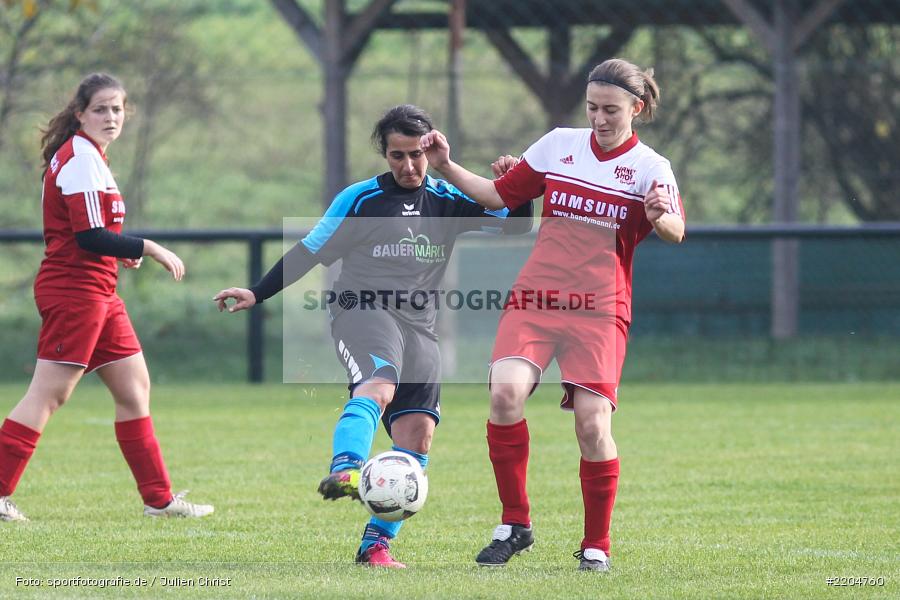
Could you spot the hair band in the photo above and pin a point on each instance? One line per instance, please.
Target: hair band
(615, 83)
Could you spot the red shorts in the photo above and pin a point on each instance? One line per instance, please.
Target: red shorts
(589, 350)
(84, 332)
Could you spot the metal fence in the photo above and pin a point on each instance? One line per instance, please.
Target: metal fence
(717, 285)
(252, 239)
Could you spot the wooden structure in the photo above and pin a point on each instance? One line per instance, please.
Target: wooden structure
(782, 27)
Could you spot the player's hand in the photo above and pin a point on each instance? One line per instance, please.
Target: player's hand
(656, 202)
(436, 148)
(244, 299)
(503, 164)
(132, 263)
(168, 259)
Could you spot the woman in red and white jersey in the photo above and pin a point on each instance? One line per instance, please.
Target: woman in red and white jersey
(604, 191)
(84, 323)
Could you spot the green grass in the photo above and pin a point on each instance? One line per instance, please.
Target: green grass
(727, 491)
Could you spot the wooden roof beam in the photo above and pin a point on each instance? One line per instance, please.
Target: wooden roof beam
(360, 27)
(303, 25)
(765, 31)
(356, 31)
(517, 58)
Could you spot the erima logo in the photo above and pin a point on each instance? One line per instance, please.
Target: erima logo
(567, 160)
(410, 210)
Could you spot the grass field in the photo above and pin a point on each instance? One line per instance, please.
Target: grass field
(743, 491)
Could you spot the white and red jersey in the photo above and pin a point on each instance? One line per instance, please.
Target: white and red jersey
(79, 194)
(593, 214)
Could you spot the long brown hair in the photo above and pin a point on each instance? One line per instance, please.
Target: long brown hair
(65, 123)
(630, 78)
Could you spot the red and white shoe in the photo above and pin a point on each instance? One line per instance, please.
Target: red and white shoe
(378, 555)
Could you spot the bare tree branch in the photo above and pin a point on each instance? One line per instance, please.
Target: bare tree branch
(9, 76)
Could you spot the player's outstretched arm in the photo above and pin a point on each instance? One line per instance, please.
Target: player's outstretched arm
(479, 189)
(291, 267)
(168, 259)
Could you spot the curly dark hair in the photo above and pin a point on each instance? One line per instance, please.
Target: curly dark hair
(405, 119)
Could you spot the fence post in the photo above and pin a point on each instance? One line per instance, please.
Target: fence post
(255, 348)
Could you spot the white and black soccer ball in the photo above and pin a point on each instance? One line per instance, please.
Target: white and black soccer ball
(393, 486)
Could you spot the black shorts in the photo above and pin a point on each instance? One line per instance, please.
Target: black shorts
(373, 343)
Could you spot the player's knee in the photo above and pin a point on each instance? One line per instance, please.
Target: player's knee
(422, 444)
(140, 390)
(380, 393)
(55, 401)
(425, 440)
(382, 398)
(507, 397)
(135, 397)
(50, 400)
(593, 430)
(413, 431)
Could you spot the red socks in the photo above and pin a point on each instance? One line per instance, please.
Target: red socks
(136, 439)
(17, 443)
(508, 449)
(598, 489)
(141, 450)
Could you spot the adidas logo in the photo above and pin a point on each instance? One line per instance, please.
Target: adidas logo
(567, 160)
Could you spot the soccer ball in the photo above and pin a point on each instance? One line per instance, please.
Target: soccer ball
(393, 486)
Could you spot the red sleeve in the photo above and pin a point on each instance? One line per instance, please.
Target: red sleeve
(85, 210)
(519, 185)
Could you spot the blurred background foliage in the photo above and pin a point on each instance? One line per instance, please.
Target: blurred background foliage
(226, 131)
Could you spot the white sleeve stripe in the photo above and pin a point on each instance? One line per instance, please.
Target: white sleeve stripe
(673, 195)
(92, 221)
(98, 207)
(95, 210)
(92, 204)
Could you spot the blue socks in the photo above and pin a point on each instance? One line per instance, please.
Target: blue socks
(351, 445)
(354, 433)
(389, 529)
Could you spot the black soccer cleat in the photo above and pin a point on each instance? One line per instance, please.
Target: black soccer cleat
(507, 541)
(339, 484)
(592, 559)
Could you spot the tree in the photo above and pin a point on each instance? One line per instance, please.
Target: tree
(852, 109)
(52, 42)
(166, 78)
(849, 118)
